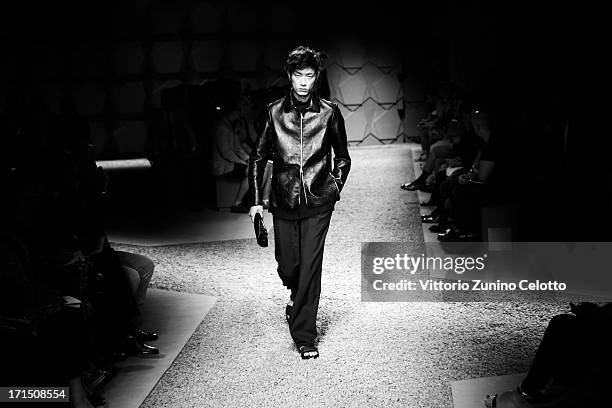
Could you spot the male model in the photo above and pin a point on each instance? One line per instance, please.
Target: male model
(301, 131)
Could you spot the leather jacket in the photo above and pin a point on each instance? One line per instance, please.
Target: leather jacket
(300, 145)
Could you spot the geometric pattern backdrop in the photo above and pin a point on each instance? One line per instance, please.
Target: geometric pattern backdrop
(364, 81)
(150, 46)
(117, 84)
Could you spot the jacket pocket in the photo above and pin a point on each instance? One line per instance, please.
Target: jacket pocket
(335, 185)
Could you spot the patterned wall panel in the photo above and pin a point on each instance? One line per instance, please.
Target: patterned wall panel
(129, 98)
(279, 18)
(88, 61)
(364, 81)
(126, 24)
(3, 101)
(130, 136)
(386, 124)
(8, 62)
(45, 62)
(168, 56)
(243, 55)
(206, 18)
(356, 125)
(243, 18)
(89, 99)
(159, 87)
(352, 90)
(128, 58)
(206, 55)
(98, 137)
(167, 19)
(275, 54)
(52, 95)
(154, 45)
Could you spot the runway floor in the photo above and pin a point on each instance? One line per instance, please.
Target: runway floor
(384, 354)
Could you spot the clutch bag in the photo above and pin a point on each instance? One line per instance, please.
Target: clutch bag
(261, 233)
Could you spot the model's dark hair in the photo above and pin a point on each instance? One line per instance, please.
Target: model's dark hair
(303, 57)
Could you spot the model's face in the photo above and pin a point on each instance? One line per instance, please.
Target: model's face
(302, 81)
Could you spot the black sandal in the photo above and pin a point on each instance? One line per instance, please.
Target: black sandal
(308, 352)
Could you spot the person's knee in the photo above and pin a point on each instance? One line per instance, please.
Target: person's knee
(142, 264)
(133, 278)
(148, 266)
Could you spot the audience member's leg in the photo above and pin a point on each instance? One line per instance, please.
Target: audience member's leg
(425, 141)
(134, 280)
(466, 201)
(144, 268)
(446, 190)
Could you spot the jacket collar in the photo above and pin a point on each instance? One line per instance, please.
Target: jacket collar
(315, 103)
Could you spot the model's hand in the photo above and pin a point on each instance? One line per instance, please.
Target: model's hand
(254, 210)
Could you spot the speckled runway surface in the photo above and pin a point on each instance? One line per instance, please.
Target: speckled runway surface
(372, 354)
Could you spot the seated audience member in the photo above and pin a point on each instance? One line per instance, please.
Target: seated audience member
(445, 151)
(54, 222)
(431, 126)
(139, 270)
(234, 134)
(91, 188)
(43, 329)
(485, 183)
(447, 124)
(466, 151)
(571, 366)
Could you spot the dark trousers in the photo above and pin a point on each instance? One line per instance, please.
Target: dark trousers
(299, 252)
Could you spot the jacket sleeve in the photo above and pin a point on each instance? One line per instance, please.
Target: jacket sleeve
(342, 160)
(259, 157)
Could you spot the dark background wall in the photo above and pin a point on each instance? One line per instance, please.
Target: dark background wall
(116, 59)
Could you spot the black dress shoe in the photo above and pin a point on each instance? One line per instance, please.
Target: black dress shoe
(119, 356)
(429, 219)
(439, 228)
(415, 185)
(98, 377)
(429, 203)
(456, 235)
(133, 347)
(143, 336)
